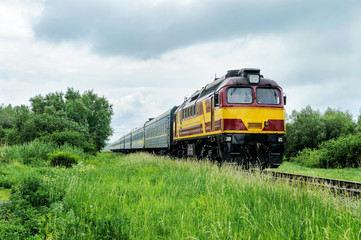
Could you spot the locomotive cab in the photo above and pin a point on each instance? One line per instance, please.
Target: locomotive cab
(252, 113)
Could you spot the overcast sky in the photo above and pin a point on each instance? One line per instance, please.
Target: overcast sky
(145, 56)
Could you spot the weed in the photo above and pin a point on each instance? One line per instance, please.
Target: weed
(65, 159)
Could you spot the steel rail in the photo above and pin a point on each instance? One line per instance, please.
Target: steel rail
(335, 184)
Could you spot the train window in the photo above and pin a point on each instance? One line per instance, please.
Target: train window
(239, 95)
(268, 96)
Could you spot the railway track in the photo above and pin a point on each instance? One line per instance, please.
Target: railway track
(340, 186)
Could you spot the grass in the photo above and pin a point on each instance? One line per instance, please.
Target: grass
(348, 174)
(4, 195)
(148, 197)
(141, 196)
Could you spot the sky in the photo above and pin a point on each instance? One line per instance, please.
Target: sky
(146, 56)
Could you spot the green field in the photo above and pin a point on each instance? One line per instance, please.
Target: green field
(349, 174)
(141, 196)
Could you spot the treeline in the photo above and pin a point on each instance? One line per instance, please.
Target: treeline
(328, 140)
(80, 120)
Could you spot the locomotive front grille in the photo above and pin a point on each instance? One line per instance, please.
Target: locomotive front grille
(254, 125)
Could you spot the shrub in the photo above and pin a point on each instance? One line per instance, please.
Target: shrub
(307, 157)
(73, 138)
(36, 152)
(340, 153)
(37, 191)
(65, 159)
(29, 208)
(309, 128)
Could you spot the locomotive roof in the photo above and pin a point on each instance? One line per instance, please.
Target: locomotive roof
(237, 77)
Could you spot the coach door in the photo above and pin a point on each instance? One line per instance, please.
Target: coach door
(212, 114)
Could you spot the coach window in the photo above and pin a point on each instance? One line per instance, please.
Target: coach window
(268, 96)
(239, 95)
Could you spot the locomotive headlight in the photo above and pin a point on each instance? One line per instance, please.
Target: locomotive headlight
(281, 139)
(253, 78)
(266, 123)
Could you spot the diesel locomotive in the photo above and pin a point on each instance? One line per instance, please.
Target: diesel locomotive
(239, 117)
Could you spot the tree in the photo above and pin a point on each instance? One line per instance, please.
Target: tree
(337, 123)
(359, 122)
(306, 130)
(99, 113)
(6, 116)
(6, 121)
(81, 120)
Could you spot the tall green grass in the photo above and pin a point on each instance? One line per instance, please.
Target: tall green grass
(35, 152)
(141, 196)
(148, 197)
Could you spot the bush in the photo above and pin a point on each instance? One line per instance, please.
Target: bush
(73, 138)
(309, 128)
(37, 191)
(36, 152)
(29, 209)
(307, 157)
(340, 153)
(65, 159)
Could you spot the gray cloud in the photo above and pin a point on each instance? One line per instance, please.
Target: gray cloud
(147, 31)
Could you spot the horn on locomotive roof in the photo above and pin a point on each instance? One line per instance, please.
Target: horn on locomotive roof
(253, 74)
(245, 71)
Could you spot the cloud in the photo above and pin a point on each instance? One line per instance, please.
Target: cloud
(143, 29)
(146, 55)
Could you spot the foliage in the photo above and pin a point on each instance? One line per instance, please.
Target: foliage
(6, 117)
(65, 159)
(337, 123)
(359, 122)
(304, 131)
(36, 152)
(82, 120)
(342, 152)
(70, 137)
(308, 128)
(30, 204)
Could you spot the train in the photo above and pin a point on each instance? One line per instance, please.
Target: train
(239, 118)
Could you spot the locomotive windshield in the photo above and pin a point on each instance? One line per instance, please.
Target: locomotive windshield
(239, 95)
(268, 96)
